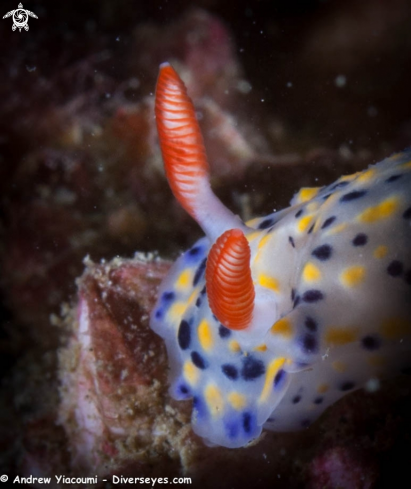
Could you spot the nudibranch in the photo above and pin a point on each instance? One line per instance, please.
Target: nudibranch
(269, 322)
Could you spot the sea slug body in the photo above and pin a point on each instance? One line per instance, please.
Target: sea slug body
(269, 322)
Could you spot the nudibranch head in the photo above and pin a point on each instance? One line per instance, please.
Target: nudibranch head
(268, 323)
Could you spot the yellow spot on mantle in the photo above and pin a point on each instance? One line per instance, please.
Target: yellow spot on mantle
(303, 223)
(395, 328)
(176, 311)
(237, 401)
(264, 240)
(190, 373)
(380, 252)
(260, 348)
(366, 175)
(336, 229)
(205, 335)
(339, 366)
(406, 165)
(214, 400)
(340, 336)
(311, 273)
(269, 282)
(352, 276)
(322, 388)
(183, 280)
(272, 369)
(383, 210)
(307, 193)
(283, 327)
(234, 346)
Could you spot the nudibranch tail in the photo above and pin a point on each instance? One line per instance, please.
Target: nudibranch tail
(184, 155)
(230, 288)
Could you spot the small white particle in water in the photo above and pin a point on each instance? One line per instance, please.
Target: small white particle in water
(31, 68)
(108, 95)
(241, 50)
(340, 81)
(117, 38)
(372, 385)
(261, 32)
(289, 84)
(262, 100)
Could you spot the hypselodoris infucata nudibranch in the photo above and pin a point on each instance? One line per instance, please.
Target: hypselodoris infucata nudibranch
(269, 322)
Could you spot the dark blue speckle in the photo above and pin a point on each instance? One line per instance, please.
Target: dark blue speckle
(393, 178)
(328, 222)
(252, 368)
(168, 296)
(296, 399)
(313, 295)
(199, 272)
(360, 240)
(230, 371)
(198, 360)
(279, 379)
(310, 324)
(318, 400)
(247, 422)
(407, 213)
(322, 252)
(224, 332)
(159, 313)
(184, 335)
(266, 224)
(298, 214)
(183, 391)
(354, 195)
(194, 251)
(347, 386)
(199, 407)
(309, 343)
(371, 342)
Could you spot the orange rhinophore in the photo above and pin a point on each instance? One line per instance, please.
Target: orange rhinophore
(181, 141)
(229, 284)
